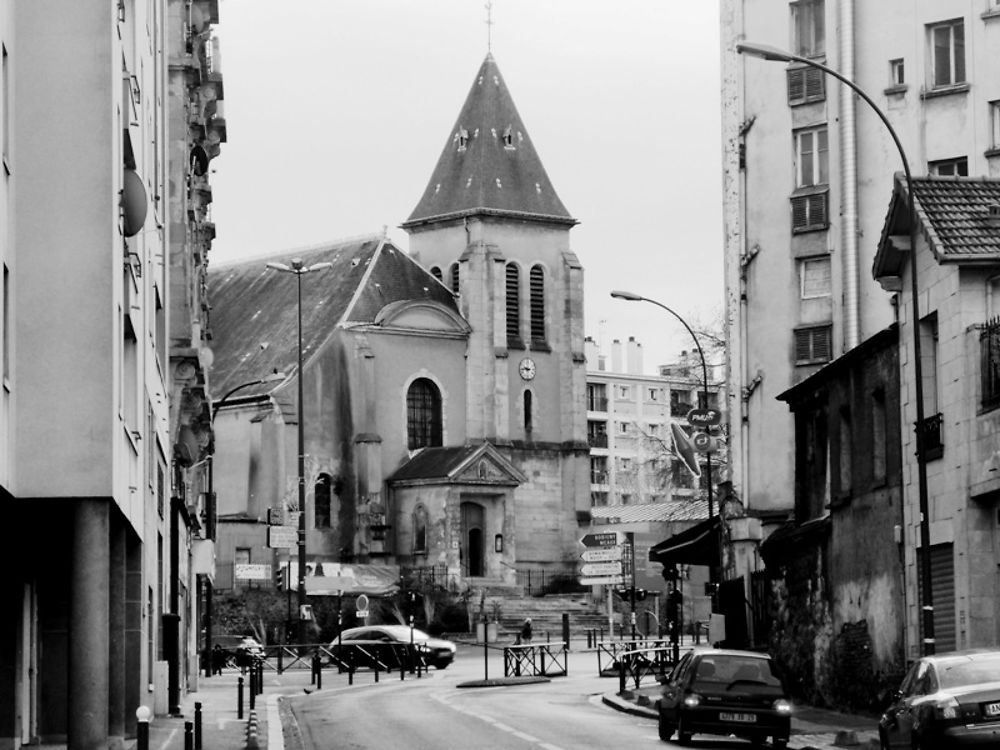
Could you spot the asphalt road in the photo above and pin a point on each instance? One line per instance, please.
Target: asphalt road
(448, 709)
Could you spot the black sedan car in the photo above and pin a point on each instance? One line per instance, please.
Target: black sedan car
(725, 692)
(946, 700)
(386, 646)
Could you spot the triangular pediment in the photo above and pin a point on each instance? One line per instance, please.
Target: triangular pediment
(487, 466)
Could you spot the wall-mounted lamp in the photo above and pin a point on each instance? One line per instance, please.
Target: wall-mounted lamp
(498, 543)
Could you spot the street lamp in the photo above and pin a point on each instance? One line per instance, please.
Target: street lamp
(768, 52)
(632, 297)
(298, 267)
(210, 510)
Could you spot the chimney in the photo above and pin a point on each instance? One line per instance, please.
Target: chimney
(634, 357)
(616, 356)
(592, 354)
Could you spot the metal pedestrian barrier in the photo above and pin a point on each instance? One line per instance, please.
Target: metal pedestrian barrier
(536, 659)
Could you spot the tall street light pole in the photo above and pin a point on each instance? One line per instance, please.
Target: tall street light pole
(211, 510)
(768, 52)
(297, 267)
(631, 297)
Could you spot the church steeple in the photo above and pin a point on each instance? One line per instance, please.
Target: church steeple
(489, 165)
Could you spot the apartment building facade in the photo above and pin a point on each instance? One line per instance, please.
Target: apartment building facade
(809, 173)
(95, 452)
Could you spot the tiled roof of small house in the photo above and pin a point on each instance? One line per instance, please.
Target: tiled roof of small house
(959, 217)
(451, 463)
(670, 510)
(489, 164)
(254, 320)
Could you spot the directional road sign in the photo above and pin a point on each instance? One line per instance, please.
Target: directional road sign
(601, 569)
(601, 554)
(602, 539)
(602, 581)
(704, 417)
(282, 536)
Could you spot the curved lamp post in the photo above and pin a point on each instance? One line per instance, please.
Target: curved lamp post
(767, 52)
(631, 297)
(273, 377)
(297, 266)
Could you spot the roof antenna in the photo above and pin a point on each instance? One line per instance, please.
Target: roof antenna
(489, 26)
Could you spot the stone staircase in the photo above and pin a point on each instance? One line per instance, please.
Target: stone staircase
(546, 613)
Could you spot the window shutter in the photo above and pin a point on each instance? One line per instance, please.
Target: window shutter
(822, 345)
(809, 212)
(813, 345)
(806, 84)
(796, 85)
(513, 305)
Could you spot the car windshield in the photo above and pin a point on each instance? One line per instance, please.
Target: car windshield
(729, 670)
(974, 671)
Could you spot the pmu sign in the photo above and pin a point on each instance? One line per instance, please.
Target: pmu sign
(602, 539)
(704, 417)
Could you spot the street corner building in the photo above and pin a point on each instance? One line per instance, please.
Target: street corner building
(110, 116)
(444, 386)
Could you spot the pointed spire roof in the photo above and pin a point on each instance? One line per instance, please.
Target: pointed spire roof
(489, 164)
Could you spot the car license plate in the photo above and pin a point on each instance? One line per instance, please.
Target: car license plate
(992, 709)
(742, 718)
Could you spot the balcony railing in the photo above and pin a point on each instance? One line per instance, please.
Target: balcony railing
(989, 363)
(597, 404)
(598, 440)
(933, 440)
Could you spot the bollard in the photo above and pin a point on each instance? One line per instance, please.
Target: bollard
(253, 690)
(188, 735)
(239, 697)
(319, 675)
(315, 668)
(260, 677)
(197, 725)
(142, 714)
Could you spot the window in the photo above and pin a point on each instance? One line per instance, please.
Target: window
(321, 502)
(423, 414)
(598, 499)
(815, 278)
(811, 157)
(958, 167)
(536, 283)
(897, 72)
(995, 125)
(598, 469)
(597, 434)
(846, 450)
(4, 109)
(809, 211)
(813, 345)
(528, 424)
(5, 329)
(879, 433)
(653, 394)
(130, 375)
(597, 397)
(624, 392)
(626, 498)
(947, 53)
(513, 306)
(420, 529)
(436, 273)
(805, 84)
(624, 463)
(454, 277)
(623, 428)
(808, 28)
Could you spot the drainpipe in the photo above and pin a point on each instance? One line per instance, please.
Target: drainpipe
(849, 179)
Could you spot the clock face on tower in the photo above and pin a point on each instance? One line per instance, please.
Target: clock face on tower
(526, 368)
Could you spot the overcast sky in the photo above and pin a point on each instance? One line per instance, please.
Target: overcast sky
(337, 111)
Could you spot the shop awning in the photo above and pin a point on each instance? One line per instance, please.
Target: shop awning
(698, 545)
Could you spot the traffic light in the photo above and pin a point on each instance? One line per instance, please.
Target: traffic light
(711, 588)
(279, 578)
(624, 594)
(674, 600)
(670, 573)
(640, 594)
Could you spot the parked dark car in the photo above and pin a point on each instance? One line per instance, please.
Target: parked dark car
(726, 692)
(946, 700)
(386, 644)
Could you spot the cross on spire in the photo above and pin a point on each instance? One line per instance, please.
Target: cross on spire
(489, 25)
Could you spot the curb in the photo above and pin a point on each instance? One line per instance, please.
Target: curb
(253, 730)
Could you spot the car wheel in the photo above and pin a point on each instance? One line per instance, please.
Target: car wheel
(666, 729)
(781, 742)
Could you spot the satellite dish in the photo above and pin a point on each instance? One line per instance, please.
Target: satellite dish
(134, 203)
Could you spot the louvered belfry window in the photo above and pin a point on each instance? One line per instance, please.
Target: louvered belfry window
(454, 278)
(537, 289)
(806, 84)
(513, 305)
(813, 345)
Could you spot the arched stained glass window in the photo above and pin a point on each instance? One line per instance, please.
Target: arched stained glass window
(423, 414)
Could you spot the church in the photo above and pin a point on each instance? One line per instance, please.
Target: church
(443, 407)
